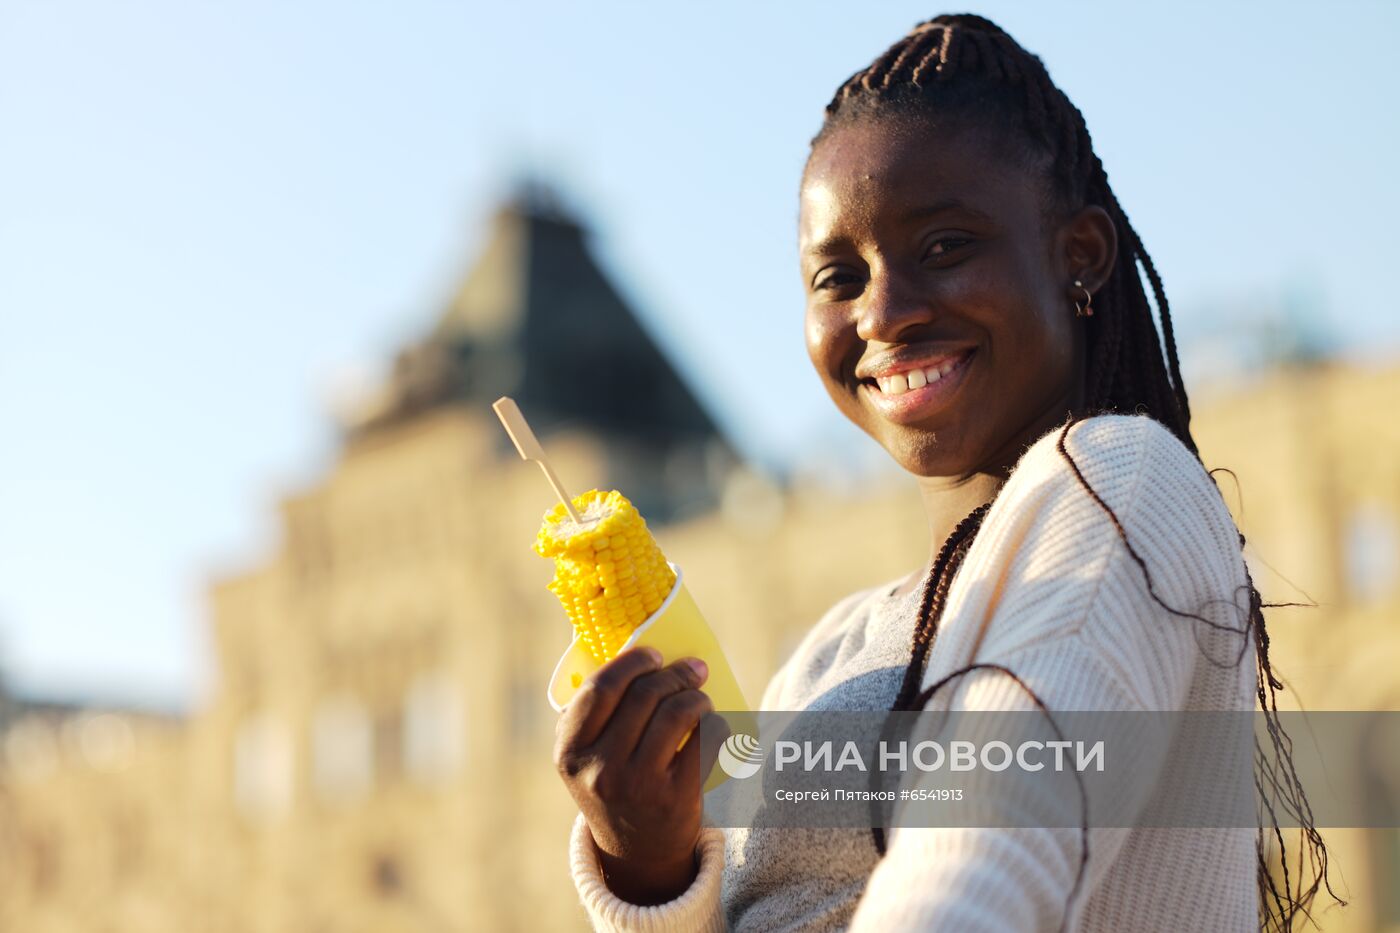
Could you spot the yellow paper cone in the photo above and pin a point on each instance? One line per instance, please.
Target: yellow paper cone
(677, 630)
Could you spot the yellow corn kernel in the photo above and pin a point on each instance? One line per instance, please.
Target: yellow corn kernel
(609, 572)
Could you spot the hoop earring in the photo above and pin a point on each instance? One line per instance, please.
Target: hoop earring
(1086, 309)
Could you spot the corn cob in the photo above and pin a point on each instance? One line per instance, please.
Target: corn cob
(609, 572)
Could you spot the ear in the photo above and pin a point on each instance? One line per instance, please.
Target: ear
(1088, 249)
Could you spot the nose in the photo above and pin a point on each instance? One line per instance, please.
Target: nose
(889, 305)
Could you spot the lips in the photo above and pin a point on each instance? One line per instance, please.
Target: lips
(909, 392)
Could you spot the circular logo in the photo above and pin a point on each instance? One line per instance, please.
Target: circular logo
(741, 755)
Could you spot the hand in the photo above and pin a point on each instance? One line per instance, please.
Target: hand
(615, 748)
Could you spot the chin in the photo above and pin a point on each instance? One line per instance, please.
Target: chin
(931, 460)
(932, 450)
(928, 452)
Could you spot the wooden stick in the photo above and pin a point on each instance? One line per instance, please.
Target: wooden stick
(530, 448)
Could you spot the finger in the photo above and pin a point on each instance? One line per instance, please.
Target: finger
(693, 763)
(629, 722)
(597, 697)
(674, 717)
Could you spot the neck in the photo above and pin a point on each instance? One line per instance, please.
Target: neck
(949, 499)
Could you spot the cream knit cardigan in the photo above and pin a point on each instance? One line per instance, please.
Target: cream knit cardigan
(1050, 591)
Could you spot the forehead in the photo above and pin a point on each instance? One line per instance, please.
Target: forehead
(873, 171)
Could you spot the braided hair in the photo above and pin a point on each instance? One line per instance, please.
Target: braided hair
(967, 69)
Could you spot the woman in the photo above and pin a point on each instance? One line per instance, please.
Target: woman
(974, 304)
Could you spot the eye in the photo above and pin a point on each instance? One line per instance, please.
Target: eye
(833, 277)
(945, 246)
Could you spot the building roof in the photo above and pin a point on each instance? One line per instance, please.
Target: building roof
(536, 319)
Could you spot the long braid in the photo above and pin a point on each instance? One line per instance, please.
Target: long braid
(949, 558)
(935, 595)
(968, 66)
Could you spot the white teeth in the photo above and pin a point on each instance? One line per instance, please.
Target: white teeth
(897, 384)
(900, 383)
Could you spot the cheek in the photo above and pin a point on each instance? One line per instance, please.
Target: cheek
(825, 343)
(1042, 345)
(1055, 328)
(1030, 327)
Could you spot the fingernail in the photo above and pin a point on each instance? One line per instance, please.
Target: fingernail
(700, 668)
(654, 654)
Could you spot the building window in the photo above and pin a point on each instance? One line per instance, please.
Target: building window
(531, 719)
(41, 845)
(386, 876)
(1372, 553)
(30, 749)
(342, 749)
(105, 740)
(1380, 787)
(434, 728)
(262, 767)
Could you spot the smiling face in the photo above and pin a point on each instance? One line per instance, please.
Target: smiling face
(938, 315)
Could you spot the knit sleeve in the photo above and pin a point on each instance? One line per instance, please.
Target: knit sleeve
(697, 910)
(1052, 592)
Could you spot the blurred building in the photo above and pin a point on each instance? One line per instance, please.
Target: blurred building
(1317, 493)
(537, 320)
(375, 753)
(94, 830)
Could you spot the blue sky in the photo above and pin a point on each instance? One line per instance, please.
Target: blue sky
(213, 215)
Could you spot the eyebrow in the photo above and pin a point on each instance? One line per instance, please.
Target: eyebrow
(835, 242)
(938, 207)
